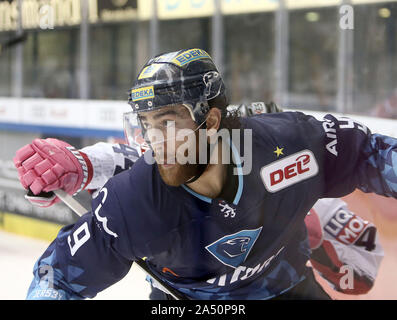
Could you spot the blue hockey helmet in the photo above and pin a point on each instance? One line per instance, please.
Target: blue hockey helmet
(185, 77)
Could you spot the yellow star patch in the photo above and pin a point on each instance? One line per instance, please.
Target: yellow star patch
(279, 151)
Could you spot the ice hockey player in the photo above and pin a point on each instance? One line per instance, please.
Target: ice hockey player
(333, 247)
(170, 213)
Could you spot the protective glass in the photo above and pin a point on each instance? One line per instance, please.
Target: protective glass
(133, 132)
(144, 136)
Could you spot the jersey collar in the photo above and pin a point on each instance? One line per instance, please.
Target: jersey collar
(238, 167)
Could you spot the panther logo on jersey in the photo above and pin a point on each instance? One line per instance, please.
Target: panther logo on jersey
(234, 247)
(232, 250)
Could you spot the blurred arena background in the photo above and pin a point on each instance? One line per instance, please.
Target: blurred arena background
(66, 67)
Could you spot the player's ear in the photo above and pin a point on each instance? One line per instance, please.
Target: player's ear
(213, 121)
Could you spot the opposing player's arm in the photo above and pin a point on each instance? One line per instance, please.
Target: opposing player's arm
(50, 164)
(349, 253)
(107, 160)
(86, 257)
(352, 157)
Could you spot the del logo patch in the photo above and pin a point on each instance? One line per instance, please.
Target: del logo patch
(233, 249)
(285, 172)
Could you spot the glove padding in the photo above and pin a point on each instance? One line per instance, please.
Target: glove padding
(43, 199)
(51, 164)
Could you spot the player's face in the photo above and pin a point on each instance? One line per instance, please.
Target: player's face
(163, 129)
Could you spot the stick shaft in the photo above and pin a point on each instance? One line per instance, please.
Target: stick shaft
(71, 202)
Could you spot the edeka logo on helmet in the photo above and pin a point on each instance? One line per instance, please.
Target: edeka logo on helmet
(189, 56)
(142, 93)
(179, 101)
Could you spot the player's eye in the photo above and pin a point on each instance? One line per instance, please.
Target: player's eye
(168, 123)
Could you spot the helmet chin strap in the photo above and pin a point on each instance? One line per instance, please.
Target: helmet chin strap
(201, 167)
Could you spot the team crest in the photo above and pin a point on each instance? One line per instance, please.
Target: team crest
(232, 250)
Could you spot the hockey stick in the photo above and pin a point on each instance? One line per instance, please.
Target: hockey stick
(74, 205)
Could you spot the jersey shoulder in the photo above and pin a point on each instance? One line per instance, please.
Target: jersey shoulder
(289, 131)
(282, 123)
(135, 184)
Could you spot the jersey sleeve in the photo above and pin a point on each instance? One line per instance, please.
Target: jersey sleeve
(352, 157)
(86, 257)
(108, 160)
(350, 248)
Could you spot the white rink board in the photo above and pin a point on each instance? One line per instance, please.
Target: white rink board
(107, 115)
(18, 255)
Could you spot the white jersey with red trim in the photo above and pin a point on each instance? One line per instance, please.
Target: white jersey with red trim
(350, 246)
(108, 160)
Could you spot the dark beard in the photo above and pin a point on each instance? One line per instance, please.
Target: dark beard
(178, 174)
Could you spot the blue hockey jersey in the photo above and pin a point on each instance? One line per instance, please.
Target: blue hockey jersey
(252, 247)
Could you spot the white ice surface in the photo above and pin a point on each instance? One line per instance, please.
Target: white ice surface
(18, 255)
